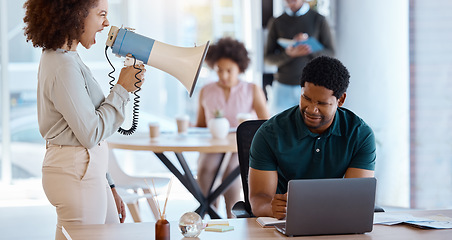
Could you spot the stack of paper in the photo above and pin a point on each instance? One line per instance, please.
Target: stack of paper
(218, 226)
(218, 222)
(269, 221)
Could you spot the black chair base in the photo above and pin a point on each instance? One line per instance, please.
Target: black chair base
(239, 210)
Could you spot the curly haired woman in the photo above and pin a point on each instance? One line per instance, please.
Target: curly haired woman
(229, 58)
(74, 116)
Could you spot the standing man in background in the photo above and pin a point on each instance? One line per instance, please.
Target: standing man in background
(298, 22)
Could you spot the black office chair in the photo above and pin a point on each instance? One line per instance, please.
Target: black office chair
(245, 134)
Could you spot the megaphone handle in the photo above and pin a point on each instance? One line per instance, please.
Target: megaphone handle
(130, 61)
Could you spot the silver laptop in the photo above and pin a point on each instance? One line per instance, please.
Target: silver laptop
(329, 206)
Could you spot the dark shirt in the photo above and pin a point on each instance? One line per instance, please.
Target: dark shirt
(284, 144)
(285, 26)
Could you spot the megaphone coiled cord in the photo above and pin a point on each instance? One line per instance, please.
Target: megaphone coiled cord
(136, 99)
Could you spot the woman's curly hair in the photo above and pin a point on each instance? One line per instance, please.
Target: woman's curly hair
(50, 24)
(326, 72)
(231, 49)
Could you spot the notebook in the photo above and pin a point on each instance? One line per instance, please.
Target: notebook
(312, 42)
(329, 206)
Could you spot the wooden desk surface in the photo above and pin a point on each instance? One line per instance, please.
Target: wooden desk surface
(249, 229)
(192, 142)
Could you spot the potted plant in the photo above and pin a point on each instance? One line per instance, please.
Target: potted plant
(219, 125)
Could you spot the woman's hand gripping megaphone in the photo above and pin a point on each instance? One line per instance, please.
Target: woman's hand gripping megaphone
(132, 74)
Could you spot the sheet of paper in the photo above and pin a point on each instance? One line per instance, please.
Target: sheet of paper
(396, 218)
(219, 228)
(436, 221)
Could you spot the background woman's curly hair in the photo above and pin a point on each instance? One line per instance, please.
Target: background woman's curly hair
(231, 49)
(50, 23)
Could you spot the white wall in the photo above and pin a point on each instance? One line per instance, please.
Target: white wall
(372, 41)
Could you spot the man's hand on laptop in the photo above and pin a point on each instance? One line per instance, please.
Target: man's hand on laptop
(279, 206)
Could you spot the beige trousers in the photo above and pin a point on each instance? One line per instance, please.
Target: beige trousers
(74, 181)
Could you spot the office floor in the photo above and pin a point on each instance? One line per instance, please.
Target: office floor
(26, 214)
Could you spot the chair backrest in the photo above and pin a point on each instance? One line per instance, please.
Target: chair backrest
(245, 134)
(123, 180)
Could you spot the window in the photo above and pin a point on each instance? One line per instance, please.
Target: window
(181, 23)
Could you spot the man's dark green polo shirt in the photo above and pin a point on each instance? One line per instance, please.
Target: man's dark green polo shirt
(285, 144)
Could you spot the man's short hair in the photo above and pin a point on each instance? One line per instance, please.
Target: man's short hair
(326, 72)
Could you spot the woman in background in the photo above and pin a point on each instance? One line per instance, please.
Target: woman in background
(73, 114)
(231, 96)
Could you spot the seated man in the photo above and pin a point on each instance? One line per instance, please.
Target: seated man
(317, 139)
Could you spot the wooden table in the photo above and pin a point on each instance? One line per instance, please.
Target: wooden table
(195, 141)
(247, 228)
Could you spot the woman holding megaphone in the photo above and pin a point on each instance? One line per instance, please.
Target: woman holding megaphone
(73, 114)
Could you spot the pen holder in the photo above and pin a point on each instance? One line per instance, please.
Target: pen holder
(162, 230)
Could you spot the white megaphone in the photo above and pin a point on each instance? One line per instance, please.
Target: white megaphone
(184, 63)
